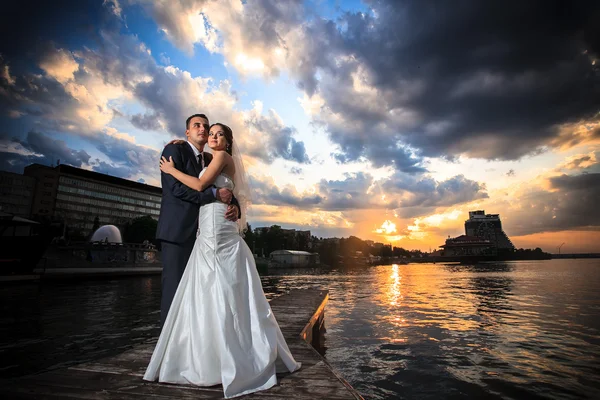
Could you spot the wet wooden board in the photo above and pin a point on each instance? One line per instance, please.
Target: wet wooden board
(120, 377)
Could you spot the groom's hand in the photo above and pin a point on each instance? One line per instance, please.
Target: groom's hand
(224, 195)
(232, 213)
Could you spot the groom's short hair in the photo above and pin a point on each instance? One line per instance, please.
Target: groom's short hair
(187, 121)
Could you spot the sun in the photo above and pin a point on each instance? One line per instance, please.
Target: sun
(387, 228)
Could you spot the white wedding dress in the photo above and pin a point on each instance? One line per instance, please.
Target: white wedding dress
(220, 328)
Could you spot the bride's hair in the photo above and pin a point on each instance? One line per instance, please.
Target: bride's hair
(228, 135)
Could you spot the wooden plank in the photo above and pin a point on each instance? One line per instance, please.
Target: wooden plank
(120, 377)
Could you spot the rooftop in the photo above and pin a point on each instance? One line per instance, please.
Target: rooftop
(97, 176)
(293, 252)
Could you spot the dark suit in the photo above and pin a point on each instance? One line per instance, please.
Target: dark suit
(178, 220)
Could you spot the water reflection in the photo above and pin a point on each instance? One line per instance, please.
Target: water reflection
(501, 330)
(50, 325)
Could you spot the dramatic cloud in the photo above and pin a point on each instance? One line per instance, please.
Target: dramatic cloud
(568, 202)
(356, 191)
(251, 35)
(421, 195)
(41, 149)
(274, 138)
(146, 122)
(414, 97)
(80, 93)
(444, 79)
(265, 191)
(497, 89)
(580, 161)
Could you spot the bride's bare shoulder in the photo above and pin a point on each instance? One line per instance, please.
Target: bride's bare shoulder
(222, 156)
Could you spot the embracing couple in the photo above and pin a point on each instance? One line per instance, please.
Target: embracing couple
(217, 326)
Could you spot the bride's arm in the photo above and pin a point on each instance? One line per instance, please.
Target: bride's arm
(212, 171)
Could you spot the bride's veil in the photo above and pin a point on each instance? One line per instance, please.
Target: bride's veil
(241, 190)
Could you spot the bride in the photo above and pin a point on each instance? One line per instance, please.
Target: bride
(220, 328)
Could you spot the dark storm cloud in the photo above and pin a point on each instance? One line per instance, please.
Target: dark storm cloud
(380, 155)
(145, 122)
(34, 95)
(571, 204)
(127, 159)
(54, 149)
(24, 26)
(423, 194)
(485, 79)
(41, 149)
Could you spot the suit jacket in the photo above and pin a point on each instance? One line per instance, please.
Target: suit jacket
(178, 219)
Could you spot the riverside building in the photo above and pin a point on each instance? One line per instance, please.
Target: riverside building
(16, 193)
(77, 196)
(488, 227)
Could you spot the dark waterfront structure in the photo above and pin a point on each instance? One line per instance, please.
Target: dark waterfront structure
(77, 196)
(484, 240)
(16, 193)
(468, 246)
(488, 227)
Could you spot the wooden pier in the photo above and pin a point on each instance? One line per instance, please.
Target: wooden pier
(300, 315)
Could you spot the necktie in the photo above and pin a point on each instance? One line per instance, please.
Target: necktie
(201, 160)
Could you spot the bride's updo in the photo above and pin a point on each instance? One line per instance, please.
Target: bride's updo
(228, 135)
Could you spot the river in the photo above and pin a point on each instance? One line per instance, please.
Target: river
(511, 330)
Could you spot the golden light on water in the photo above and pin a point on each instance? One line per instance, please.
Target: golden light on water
(395, 292)
(406, 289)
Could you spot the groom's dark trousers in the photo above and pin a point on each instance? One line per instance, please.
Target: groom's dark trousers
(175, 256)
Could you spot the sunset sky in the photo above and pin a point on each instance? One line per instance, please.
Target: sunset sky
(387, 120)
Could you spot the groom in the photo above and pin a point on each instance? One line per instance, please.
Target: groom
(178, 219)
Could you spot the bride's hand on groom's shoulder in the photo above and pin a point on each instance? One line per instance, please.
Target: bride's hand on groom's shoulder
(175, 141)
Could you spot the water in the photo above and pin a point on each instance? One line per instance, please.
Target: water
(516, 330)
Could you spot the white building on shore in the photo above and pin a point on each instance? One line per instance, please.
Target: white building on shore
(293, 258)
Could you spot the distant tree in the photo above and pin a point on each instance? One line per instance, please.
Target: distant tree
(139, 229)
(303, 243)
(250, 238)
(274, 239)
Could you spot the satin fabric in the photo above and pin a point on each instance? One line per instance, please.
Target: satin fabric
(220, 328)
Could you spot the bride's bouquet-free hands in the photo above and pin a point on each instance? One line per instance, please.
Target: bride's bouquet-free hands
(167, 166)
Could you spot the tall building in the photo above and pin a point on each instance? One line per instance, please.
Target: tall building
(78, 196)
(488, 227)
(16, 193)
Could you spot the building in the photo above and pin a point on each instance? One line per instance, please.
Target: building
(296, 239)
(293, 258)
(77, 196)
(489, 227)
(467, 246)
(16, 193)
